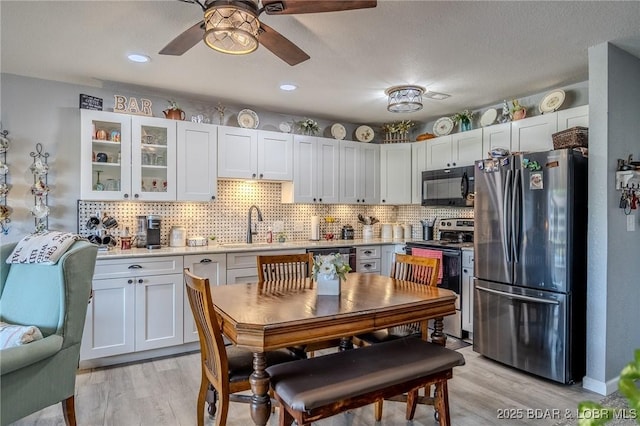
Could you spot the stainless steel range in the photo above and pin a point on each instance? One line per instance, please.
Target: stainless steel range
(454, 235)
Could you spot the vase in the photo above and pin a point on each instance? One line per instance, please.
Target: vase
(328, 286)
(367, 232)
(465, 125)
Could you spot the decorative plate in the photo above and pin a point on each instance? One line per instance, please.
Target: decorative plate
(551, 101)
(489, 117)
(338, 131)
(443, 126)
(248, 119)
(285, 127)
(364, 134)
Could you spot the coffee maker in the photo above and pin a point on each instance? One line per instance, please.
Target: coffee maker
(153, 231)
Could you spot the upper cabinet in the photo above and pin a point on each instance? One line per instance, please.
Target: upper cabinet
(418, 165)
(395, 173)
(457, 150)
(359, 173)
(496, 136)
(316, 173)
(534, 134)
(254, 154)
(568, 118)
(127, 157)
(197, 161)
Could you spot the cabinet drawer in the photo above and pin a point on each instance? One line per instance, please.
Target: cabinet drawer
(368, 266)
(367, 252)
(467, 259)
(248, 259)
(119, 268)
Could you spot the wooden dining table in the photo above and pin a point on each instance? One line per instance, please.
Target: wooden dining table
(277, 314)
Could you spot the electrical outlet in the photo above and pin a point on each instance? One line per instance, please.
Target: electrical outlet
(298, 226)
(278, 226)
(631, 223)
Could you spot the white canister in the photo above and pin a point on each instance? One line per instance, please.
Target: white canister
(386, 231)
(367, 232)
(408, 232)
(177, 236)
(398, 232)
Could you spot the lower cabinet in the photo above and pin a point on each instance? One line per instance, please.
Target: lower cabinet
(368, 259)
(388, 257)
(137, 305)
(212, 266)
(467, 291)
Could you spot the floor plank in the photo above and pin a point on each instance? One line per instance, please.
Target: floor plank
(163, 392)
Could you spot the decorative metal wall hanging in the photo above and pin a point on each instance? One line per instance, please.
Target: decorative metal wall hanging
(40, 188)
(5, 210)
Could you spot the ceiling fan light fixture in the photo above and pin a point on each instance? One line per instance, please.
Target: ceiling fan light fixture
(232, 27)
(404, 98)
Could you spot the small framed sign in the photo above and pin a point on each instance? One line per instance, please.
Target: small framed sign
(90, 102)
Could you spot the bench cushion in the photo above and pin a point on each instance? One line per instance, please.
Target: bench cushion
(311, 383)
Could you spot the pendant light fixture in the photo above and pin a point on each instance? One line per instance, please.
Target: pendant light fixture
(405, 98)
(231, 26)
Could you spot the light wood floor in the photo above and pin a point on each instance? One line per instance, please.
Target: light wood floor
(163, 392)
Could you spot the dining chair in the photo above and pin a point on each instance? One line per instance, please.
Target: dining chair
(421, 270)
(283, 267)
(225, 368)
(291, 270)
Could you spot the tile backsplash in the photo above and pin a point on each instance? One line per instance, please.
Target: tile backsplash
(226, 218)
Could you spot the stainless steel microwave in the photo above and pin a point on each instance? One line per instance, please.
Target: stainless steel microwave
(448, 187)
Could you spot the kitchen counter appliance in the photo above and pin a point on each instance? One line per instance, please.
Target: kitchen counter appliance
(347, 232)
(153, 231)
(530, 262)
(454, 235)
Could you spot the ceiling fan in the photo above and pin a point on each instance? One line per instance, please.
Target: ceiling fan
(232, 26)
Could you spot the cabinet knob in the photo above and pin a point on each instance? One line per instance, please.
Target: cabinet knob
(358, 200)
(140, 281)
(384, 201)
(129, 281)
(314, 200)
(454, 164)
(465, 271)
(136, 196)
(213, 197)
(448, 164)
(363, 200)
(126, 195)
(261, 175)
(253, 175)
(320, 199)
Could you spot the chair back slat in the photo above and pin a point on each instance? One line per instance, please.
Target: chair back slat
(212, 349)
(285, 267)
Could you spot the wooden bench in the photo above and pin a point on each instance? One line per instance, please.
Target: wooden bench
(316, 388)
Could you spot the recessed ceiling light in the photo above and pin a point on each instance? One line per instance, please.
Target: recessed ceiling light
(135, 57)
(288, 87)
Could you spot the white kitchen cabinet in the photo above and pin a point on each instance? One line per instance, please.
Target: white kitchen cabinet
(316, 171)
(395, 173)
(572, 117)
(137, 304)
(197, 171)
(127, 157)
(368, 259)
(211, 266)
(387, 257)
(534, 134)
(457, 150)
(359, 173)
(254, 154)
(496, 136)
(105, 135)
(418, 165)
(153, 159)
(467, 291)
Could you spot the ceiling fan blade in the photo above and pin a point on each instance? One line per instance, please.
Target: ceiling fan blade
(280, 46)
(290, 7)
(184, 41)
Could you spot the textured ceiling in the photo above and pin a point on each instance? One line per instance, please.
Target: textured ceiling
(478, 52)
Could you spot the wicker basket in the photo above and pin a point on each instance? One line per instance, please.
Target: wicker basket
(571, 138)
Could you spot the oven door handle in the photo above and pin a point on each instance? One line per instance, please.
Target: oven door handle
(518, 296)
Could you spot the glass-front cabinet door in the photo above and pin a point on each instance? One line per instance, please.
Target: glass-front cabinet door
(105, 155)
(153, 158)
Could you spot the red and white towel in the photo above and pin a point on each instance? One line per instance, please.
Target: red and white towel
(432, 254)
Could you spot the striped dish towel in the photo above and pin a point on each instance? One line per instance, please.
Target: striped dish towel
(432, 254)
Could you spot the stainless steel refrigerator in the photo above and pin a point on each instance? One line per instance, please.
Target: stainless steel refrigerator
(530, 262)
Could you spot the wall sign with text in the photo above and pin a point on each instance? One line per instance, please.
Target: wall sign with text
(132, 105)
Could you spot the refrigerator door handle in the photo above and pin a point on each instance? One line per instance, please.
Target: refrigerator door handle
(516, 214)
(518, 296)
(506, 230)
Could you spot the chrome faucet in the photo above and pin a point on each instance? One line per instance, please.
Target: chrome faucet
(250, 231)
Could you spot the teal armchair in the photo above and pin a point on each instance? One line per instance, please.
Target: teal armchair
(54, 298)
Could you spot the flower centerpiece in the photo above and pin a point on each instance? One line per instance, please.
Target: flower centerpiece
(398, 131)
(308, 126)
(328, 271)
(464, 119)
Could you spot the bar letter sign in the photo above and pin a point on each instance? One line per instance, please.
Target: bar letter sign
(132, 105)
